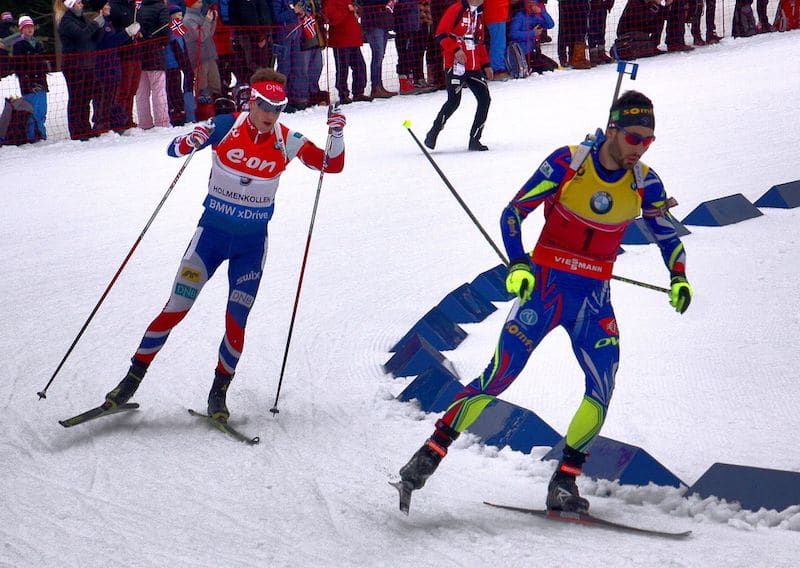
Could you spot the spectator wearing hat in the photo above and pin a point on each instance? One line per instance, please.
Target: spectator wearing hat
(31, 70)
(151, 96)
(7, 37)
(6, 24)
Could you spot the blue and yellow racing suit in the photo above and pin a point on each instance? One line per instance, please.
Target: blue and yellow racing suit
(587, 210)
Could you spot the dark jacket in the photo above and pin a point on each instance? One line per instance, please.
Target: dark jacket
(122, 13)
(249, 13)
(154, 19)
(375, 15)
(78, 36)
(31, 71)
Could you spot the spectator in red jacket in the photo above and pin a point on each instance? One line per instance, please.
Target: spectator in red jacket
(461, 35)
(345, 37)
(496, 15)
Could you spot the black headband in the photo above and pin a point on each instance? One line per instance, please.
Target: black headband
(633, 116)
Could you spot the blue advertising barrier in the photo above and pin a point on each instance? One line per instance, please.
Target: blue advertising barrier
(722, 211)
(466, 305)
(437, 329)
(434, 389)
(415, 357)
(783, 196)
(752, 487)
(504, 424)
(613, 460)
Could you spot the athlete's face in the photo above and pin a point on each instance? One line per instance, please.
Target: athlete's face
(627, 145)
(263, 120)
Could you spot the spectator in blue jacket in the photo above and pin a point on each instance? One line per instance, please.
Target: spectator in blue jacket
(527, 29)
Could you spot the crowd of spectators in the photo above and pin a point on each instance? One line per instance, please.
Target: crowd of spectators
(181, 61)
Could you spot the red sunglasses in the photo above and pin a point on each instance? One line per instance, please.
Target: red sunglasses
(635, 139)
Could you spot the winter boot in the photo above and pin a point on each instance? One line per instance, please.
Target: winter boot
(476, 146)
(579, 60)
(562, 492)
(123, 392)
(431, 136)
(423, 463)
(407, 86)
(216, 397)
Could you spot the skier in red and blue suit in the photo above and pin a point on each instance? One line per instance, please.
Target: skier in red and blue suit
(590, 194)
(250, 152)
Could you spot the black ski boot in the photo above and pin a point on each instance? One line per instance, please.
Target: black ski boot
(476, 146)
(431, 136)
(562, 492)
(424, 462)
(127, 386)
(217, 408)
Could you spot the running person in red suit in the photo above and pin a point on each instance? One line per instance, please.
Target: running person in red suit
(461, 34)
(590, 194)
(250, 152)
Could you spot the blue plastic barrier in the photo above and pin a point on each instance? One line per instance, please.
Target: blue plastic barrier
(638, 233)
(415, 357)
(504, 424)
(613, 460)
(722, 211)
(783, 196)
(752, 487)
(492, 284)
(437, 329)
(466, 305)
(434, 389)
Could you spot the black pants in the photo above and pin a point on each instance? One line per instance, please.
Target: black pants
(347, 58)
(476, 81)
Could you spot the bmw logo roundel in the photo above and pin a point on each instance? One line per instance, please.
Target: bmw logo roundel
(601, 202)
(528, 317)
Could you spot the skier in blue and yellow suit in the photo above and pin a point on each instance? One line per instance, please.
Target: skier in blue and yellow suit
(591, 193)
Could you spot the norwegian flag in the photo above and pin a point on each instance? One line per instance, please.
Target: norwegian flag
(177, 27)
(309, 27)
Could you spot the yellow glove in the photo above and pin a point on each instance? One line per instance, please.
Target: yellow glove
(520, 280)
(680, 293)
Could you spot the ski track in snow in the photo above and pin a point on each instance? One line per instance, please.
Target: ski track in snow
(156, 487)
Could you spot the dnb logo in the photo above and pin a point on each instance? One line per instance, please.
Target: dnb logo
(528, 317)
(186, 291)
(190, 275)
(601, 202)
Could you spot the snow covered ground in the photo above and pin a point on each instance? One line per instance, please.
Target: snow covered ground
(158, 488)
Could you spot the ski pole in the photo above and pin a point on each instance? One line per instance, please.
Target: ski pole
(274, 410)
(407, 125)
(43, 393)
